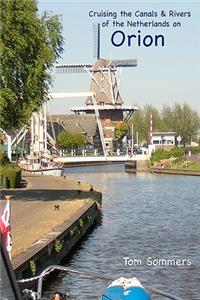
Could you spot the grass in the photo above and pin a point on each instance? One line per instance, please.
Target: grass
(186, 165)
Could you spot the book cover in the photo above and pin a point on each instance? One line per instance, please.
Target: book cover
(124, 108)
(155, 46)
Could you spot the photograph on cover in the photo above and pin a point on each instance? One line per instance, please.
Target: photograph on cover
(100, 149)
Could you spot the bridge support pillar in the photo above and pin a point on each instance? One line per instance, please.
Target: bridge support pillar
(142, 165)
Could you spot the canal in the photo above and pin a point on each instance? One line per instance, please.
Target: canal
(149, 228)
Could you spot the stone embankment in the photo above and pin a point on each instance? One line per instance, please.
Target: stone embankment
(175, 171)
(49, 217)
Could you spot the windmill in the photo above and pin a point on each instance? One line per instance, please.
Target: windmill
(104, 98)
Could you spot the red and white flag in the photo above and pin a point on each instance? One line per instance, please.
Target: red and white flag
(5, 227)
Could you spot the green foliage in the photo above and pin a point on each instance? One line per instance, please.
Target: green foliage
(181, 119)
(141, 122)
(67, 140)
(29, 46)
(158, 155)
(186, 122)
(33, 267)
(193, 165)
(13, 174)
(164, 154)
(194, 150)
(74, 231)
(121, 130)
(178, 161)
(81, 223)
(176, 152)
(184, 164)
(4, 159)
(58, 245)
(1, 154)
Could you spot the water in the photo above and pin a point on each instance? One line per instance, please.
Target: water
(145, 217)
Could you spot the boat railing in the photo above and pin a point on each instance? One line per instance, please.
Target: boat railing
(50, 269)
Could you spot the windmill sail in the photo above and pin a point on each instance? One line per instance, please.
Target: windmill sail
(73, 68)
(104, 84)
(96, 40)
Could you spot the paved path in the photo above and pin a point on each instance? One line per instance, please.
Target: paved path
(33, 213)
(36, 181)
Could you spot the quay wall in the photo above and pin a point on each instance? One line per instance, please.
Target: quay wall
(175, 171)
(142, 165)
(139, 166)
(56, 245)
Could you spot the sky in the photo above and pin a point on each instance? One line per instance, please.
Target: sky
(164, 74)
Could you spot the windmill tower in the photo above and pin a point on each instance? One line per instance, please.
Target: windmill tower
(104, 100)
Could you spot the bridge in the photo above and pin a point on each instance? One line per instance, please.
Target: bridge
(74, 160)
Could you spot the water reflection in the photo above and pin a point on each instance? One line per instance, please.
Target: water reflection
(143, 216)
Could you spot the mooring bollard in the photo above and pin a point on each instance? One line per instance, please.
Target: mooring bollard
(8, 197)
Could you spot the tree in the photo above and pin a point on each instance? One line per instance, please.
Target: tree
(141, 122)
(68, 140)
(148, 111)
(186, 122)
(178, 118)
(121, 131)
(138, 125)
(29, 46)
(167, 123)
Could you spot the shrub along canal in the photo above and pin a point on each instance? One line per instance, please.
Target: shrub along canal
(149, 229)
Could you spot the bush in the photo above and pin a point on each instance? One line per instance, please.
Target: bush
(164, 154)
(179, 161)
(10, 176)
(177, 152)
(194, 150)
(158, 155)
(3, 158)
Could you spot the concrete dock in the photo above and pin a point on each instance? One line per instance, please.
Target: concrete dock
(33, 213)
(175, 171)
